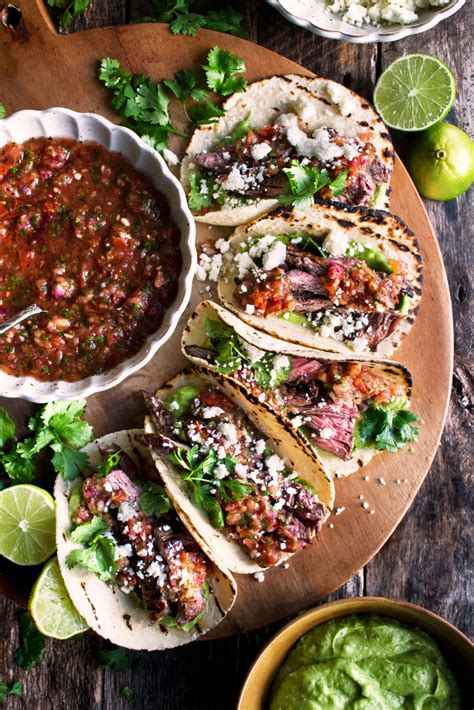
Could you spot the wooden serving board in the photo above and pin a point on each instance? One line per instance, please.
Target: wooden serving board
(40, 69)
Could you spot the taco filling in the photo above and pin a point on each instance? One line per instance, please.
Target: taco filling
(287, 161)
(339, 406)
(233, 474)
(332, 285)
(132, 539)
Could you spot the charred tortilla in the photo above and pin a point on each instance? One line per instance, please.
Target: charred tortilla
(282, 441)
(317, 104)
(381, 329)
(256, 345)
(108, 611)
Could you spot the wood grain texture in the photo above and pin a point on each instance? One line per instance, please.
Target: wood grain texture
(426, 560)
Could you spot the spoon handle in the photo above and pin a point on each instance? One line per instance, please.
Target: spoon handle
(32, 310)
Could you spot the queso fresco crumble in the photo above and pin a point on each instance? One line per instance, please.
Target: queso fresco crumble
(378, 12)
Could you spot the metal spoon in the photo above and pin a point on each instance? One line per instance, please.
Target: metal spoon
(32, 310)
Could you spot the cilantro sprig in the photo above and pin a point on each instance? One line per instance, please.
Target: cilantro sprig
(182, 21)
(231, 355)
(305, 181)
(57, 425)
(14, 688)
(31, 646)
(3, 111)
(98, 552)
(387, 426)
(70, 10)
(144, 103)
(154, 500)
(114, 658)
(203, 484)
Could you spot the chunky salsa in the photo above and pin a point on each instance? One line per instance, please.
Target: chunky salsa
(90, 240)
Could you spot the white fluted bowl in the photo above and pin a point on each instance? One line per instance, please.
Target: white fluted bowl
(61, 122)
(327, 24)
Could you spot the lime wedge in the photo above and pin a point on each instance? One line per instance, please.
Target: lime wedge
(27, 522)
(414, 92)
(51, 607)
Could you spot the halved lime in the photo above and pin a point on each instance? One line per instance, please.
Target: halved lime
(27, 522)
(414, 92)
(51, 607)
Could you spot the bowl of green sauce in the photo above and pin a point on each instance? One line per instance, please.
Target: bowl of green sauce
(367, 653)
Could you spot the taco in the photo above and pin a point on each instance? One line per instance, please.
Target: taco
(339, 280)
(252, 492)
(348, 410)
(133, 570)
(281, 141)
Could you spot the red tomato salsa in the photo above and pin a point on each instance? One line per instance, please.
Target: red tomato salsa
(91, 241)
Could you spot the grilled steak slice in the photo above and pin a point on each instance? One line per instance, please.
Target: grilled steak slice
(206, 354)
(218, 161)
(305, 282)
(309, 510)
(303, 261)
(299, 529)
(159, 443)
(303, 370)
(307, 304)
(378, 171)
(335, 421)
(161, 418)
(382, 325)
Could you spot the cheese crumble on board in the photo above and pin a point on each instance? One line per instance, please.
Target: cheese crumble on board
(375, 12)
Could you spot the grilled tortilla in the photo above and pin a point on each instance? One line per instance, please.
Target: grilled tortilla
(255, 345)
(295, 453)
(316, 103)
(380, 329)
(108, 611)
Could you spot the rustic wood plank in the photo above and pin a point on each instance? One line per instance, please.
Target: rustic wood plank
(425, 560)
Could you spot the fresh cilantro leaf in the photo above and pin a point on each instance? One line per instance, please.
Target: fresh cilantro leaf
(266, 375)
(18, 468)
(204, 112)
(185, 85)
(87, 533)
(152, 103)
(338, 185)
(7, 427)
(112, 74)
(199, 199)
(156, 136)
(187, 24)
(69, 462)
(221, 69)
(154, 500)
(115, 658)
(126, 692)
(31, 646)
(99, 558)
(304, 181)
(386, 426)
(108, 464)
(3, 111)
(15, 688)
(234, 488)
(71, 10)
(225, 20)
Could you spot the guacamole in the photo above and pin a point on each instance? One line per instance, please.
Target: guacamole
(365, 662)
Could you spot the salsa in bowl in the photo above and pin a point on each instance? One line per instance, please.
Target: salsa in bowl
(95, 230)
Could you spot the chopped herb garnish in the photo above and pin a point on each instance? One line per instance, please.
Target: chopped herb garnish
(31, 644)
(99, 551)
(115, 658)
(14, 688)
(386, 426)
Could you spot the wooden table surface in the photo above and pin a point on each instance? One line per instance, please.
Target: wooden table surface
(427, 559)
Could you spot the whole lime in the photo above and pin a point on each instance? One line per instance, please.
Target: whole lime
(441, 162)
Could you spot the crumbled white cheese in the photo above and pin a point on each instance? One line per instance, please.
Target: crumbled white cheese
(157, 570)
(209, 267)
(260, 446)
(306, 109)
(274, 464)
(125, 512)
(173, 406)
(319, 146)
(326, 433)
(250, 309)
(281, 362)
(379, 12)
(297, 421)
(229, 432)
(336, 242)
(341, 97)
(259, 151)
(234, 180)
(275, 256)
(244, 263)
(223, 245)
(259, 576)
(254, 354)
(211, 412)
(124, 550)
(241, 470)
(170, 157)
(220, 471)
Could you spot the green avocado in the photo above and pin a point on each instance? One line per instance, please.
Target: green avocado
(374, 259)
(365, 662)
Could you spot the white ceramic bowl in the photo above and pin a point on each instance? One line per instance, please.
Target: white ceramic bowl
(62, 122)
(326, 24)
